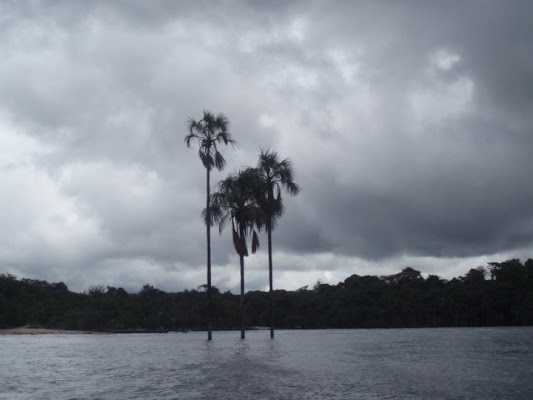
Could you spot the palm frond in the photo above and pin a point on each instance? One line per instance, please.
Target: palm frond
(193, 126)
(207, 159)
(292, 188)
(236, 240)
(222, 122)
(244, 246)
(208, 118)
(255, 242)
(229, 140)
(213, 216)
(239, 242)
(277, 209)
(189, 138)
(223, 222)
(220, 162)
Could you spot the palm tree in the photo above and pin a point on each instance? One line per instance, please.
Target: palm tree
(235, 202)
(208, 132)
(275, 175)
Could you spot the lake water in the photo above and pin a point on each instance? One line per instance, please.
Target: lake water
(474, 363)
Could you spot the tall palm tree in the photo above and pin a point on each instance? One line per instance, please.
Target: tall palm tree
(275, 175)
(209, 132)
(235, 203)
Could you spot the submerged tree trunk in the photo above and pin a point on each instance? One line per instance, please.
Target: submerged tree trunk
(241, 257)
(269, 231)
(209, 333)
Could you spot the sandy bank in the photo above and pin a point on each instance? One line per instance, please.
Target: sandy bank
(24, 330)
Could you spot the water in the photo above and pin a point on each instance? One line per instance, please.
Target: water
(482, 363)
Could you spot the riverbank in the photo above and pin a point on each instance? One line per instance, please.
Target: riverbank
(26, 330)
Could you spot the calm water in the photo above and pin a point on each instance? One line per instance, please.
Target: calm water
(471, 363)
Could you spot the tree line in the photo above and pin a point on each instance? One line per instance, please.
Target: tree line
(499, 294)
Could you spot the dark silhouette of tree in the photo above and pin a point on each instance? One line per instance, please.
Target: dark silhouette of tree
(235, 203)
(508, 271)
(407, 274)
(209, 132)
(275, 175)
(474, 275)
(405, 299)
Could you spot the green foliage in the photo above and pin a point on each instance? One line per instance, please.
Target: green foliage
(405, 299)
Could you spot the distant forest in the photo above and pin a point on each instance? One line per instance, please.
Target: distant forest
(497, 295)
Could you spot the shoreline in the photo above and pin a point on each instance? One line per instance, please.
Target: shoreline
(26, 330)
(23, 330)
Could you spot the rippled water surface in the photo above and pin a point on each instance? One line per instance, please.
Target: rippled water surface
(483, 363)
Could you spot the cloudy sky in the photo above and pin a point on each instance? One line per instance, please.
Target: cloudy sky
(409, 124)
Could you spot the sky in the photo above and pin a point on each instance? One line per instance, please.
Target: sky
(409, 125)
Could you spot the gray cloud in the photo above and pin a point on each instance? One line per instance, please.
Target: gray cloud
(409, 126)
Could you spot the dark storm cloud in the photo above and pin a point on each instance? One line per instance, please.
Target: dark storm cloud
(462, 188)
(449, 202)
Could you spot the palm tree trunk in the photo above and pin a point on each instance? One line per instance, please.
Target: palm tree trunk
(209, 333)
(269, 232)
(241, 257)
(271, 290)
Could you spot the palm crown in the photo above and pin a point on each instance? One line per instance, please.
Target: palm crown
(275, 176)
(208, 132)
(235, 202)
